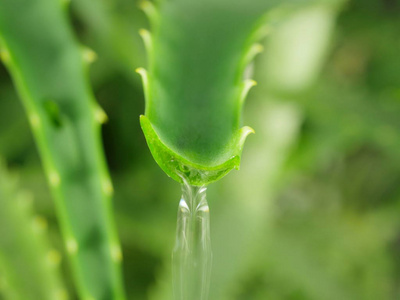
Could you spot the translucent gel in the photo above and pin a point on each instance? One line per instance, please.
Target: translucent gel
(192, 256)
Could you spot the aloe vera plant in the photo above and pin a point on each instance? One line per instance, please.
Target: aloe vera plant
(49, 71)
(195, 86)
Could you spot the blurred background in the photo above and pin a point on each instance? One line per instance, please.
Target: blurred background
(314, 212)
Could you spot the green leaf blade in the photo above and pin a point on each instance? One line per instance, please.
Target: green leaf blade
(195, 85)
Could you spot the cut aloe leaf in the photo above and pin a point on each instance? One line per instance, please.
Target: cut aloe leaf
(195, 84)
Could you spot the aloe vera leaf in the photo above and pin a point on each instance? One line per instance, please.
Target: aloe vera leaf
(27, 263)
(195, 87)
(48, 70)
(195, 84)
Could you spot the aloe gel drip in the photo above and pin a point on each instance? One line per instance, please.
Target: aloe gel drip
(192, 255)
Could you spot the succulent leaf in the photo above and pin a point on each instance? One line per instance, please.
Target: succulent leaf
(195, 85)
(48, 68)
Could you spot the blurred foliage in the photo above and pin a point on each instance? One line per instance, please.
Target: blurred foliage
(329, 227)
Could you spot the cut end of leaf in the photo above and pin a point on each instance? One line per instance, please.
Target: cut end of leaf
(176, 166)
